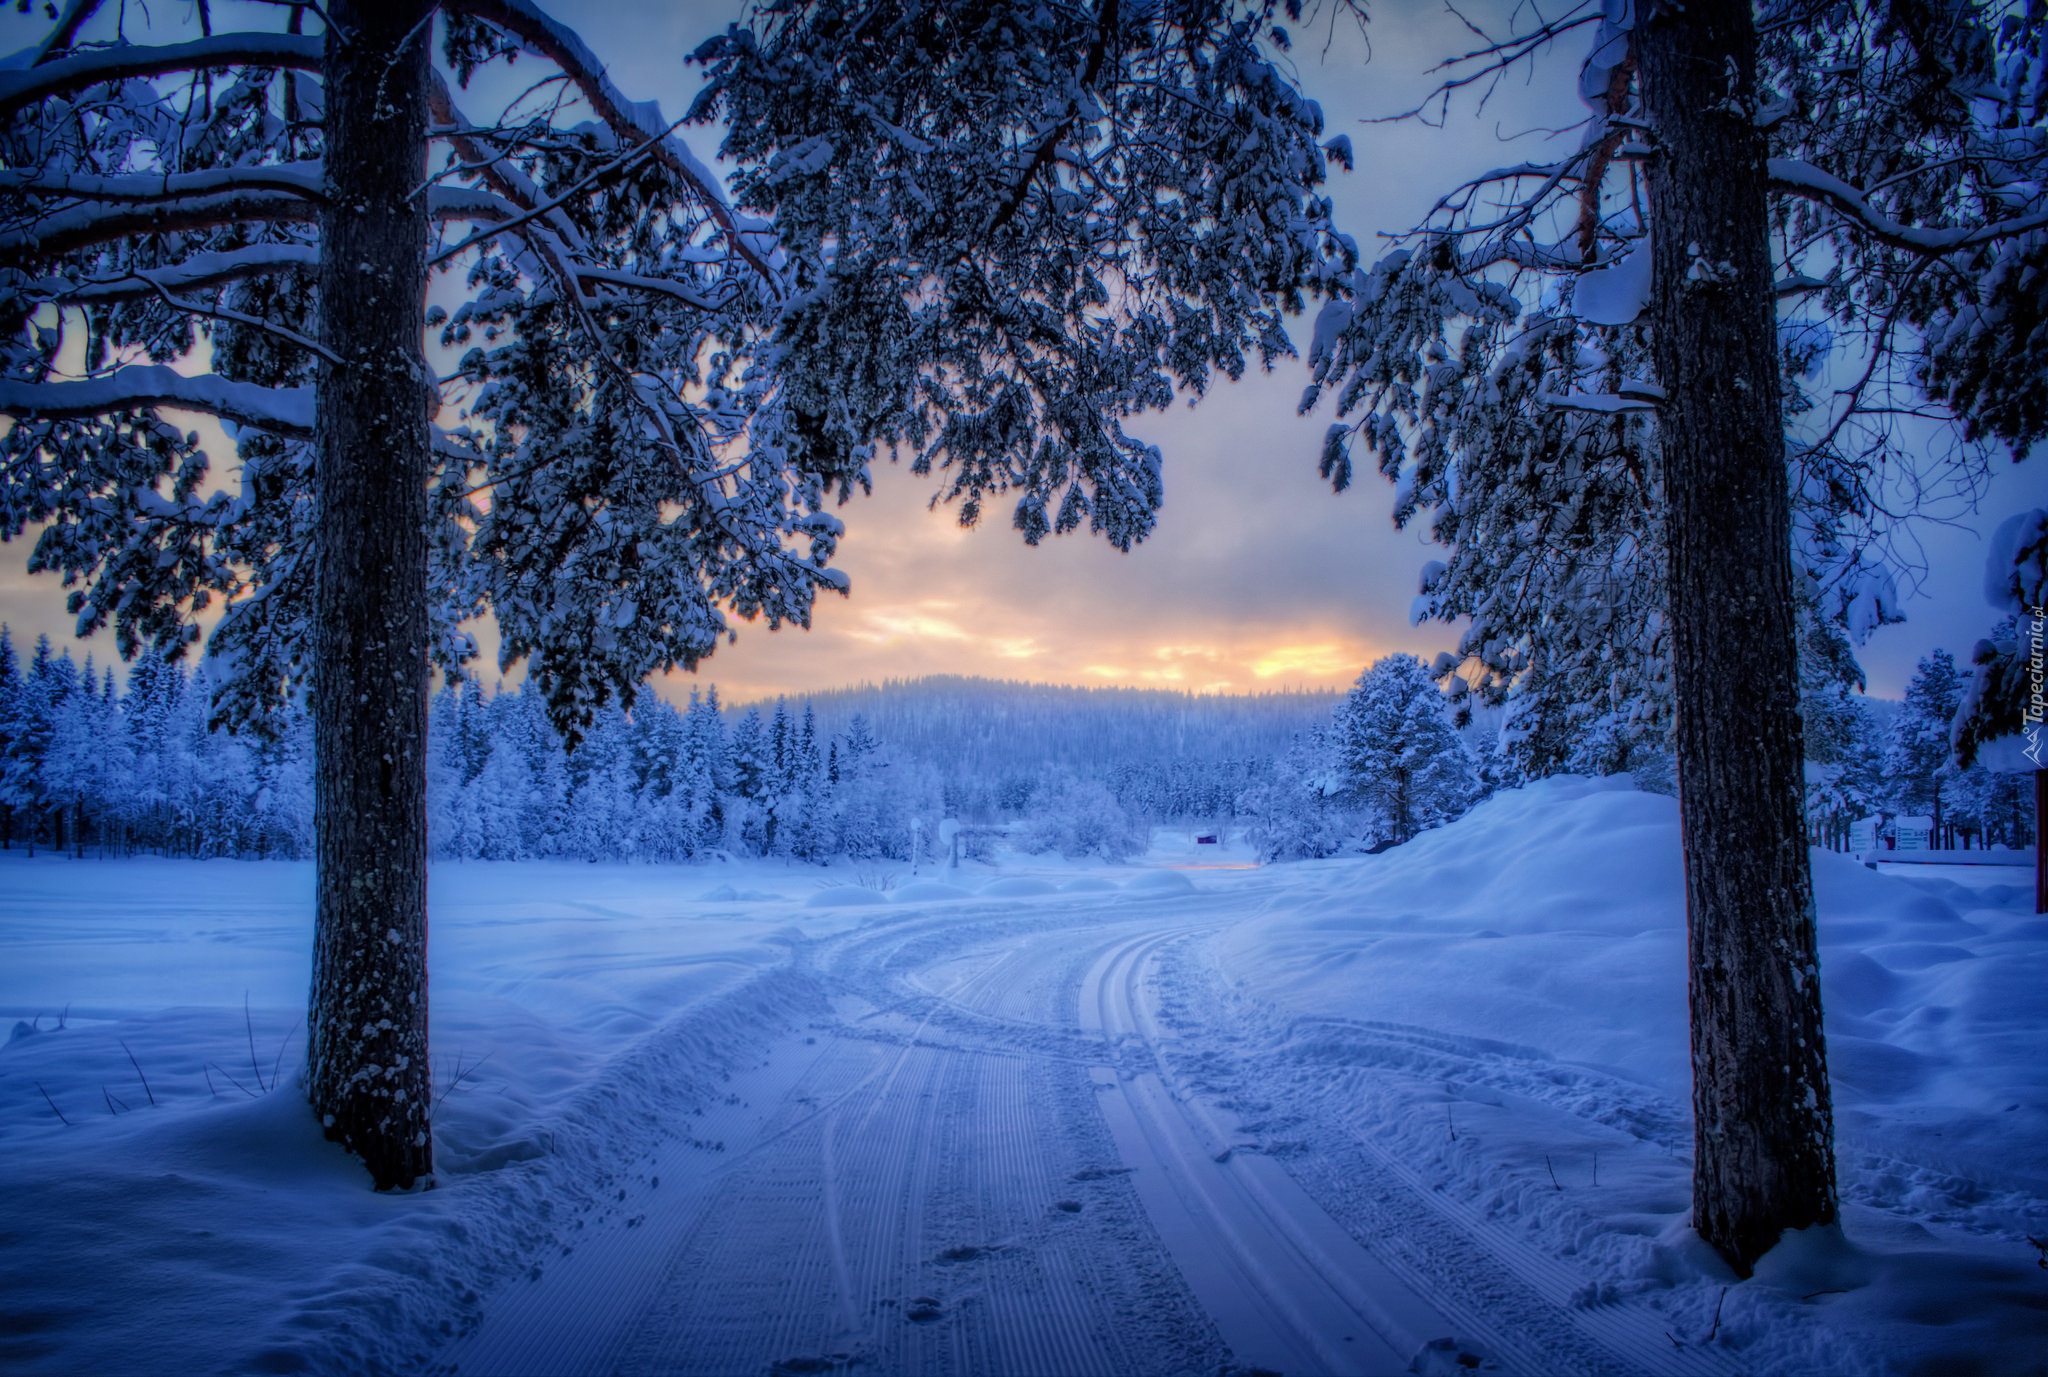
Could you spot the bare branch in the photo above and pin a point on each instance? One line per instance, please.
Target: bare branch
(1495, 58)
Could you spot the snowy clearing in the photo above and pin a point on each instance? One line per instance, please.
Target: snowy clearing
(1038, 1117)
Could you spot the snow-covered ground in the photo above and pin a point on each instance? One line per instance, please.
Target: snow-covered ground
(1032, 1118)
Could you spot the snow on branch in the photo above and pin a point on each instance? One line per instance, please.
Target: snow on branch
(98, 66)
(69, 231)
(300, 178)
(1601, 403)
(638, 122)
(280, 410)
(468, 203)
(1805, 180)
(198, 272)
(664, 286)
(285, 411)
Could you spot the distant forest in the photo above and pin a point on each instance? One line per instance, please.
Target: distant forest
(864, 772)
(998, 726)
(87, 766)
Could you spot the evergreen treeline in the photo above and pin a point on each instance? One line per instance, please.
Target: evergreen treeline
(84, 765)
(665, 784)
(1005, 750)
(1874, 758)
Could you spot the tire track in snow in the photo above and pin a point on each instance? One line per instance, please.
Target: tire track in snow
(887, 1199)
(1290, 1290)
(1483, 1276)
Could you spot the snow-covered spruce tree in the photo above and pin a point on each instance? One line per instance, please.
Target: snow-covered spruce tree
(1298, 812)
(1884, 164)
(1918, 756)
(1998, 722)
(1079, 817)
(1397, 753)
(1014, 224)
(273, 202)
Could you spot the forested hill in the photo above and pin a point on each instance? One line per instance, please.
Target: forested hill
(991, 727)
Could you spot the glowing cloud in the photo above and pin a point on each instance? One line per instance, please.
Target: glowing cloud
(1309, 661)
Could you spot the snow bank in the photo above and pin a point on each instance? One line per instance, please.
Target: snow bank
(1156, 883)
(928, 891)
(574, 1006)
(1498, 1009)
(1497, 926)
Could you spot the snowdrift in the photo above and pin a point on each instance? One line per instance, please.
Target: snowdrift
(1499, 1009)
(1554, 915)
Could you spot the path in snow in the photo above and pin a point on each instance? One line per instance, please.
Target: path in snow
(979, 1164)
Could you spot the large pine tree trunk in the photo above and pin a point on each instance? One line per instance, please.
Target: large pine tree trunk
(367, 1069)
(1764, 1126)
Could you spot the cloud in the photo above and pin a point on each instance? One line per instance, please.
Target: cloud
(1314, 661)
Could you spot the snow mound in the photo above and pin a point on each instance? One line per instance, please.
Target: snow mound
(846, 896)
(926, 891)
(1157, 882)
(1090, 884)
(1498, 925)
(1563, 855)
(1016, 887)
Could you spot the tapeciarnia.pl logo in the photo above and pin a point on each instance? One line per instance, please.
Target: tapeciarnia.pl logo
(2037, 673)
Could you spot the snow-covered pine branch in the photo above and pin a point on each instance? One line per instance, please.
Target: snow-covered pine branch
(23, 85)
(143, 387)
(1862, 216)
(1426, 356)
(1013, 227)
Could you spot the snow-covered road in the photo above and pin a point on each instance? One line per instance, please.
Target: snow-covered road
(972, 1165)
(981, 1161)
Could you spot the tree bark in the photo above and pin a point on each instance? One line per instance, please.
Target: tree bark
(367, 1072)
(1763, 1122)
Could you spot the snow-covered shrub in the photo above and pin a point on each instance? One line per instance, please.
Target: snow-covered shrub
(1080, 817)
(1299, 813)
